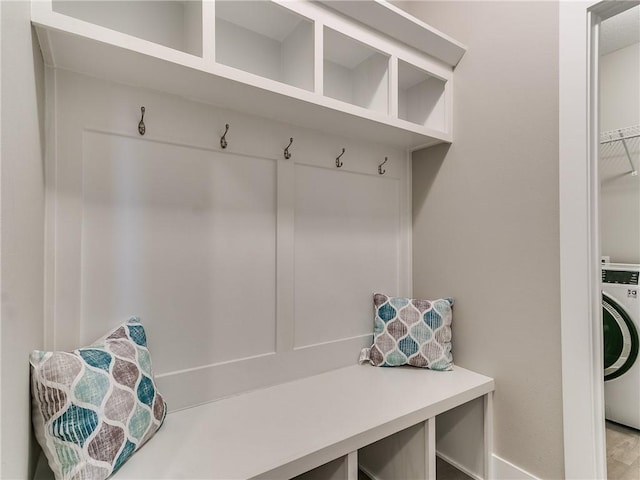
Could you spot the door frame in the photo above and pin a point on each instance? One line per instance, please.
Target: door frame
(581, 315)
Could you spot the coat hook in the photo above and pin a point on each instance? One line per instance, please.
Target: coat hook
(223, 140)
(380, 170)
(338, 162)
(141, 128)
(287, 154)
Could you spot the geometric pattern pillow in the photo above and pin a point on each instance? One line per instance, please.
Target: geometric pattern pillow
(94, 407)
(408, 331)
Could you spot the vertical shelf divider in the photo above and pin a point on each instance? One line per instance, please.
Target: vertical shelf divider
(448, 111)
(488, 435)
(208, 30)
(318, 60)
(393, 86)
(430, 448)
(352, 465)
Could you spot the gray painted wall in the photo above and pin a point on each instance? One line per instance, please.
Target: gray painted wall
(486, 219)
(21, 231)
(619, 191)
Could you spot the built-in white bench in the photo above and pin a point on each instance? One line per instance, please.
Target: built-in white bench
(318, 426)
(318, 422)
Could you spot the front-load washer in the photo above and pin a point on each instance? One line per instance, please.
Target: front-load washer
(621, 324)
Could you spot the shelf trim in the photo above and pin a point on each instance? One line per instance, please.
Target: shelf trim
(50, 25)
(402, 26)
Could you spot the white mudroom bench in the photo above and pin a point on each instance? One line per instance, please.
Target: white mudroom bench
(315, 427)
(317, 422)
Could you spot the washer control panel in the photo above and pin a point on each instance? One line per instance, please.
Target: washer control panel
(621, 277)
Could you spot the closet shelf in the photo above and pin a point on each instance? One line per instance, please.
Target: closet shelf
(622, 135)
(75, 44)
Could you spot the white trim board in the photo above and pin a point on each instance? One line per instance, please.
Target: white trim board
(579, 397)
(582, 386)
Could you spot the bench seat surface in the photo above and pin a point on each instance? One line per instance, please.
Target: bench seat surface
(290, 428)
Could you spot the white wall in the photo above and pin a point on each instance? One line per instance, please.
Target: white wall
(620, 191)
(21, 231)
(486, 220)
(619, 92)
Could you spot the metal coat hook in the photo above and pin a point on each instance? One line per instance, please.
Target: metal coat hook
(287, 154)
(141, 128)
(223, 140)
(380, 170)
(338, 162)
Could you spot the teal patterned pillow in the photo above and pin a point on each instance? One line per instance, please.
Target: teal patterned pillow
(94, 407)
(408, 331)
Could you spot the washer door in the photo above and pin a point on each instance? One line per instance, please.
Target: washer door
(620, 339)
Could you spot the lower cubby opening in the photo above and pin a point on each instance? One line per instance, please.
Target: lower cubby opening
(335, 470)
(401, 455)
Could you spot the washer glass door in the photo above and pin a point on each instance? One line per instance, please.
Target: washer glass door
(620, 339)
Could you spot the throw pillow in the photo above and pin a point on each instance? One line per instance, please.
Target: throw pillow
(408, 331)
(94, 407)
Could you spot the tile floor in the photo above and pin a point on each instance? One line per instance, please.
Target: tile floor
(623, 452)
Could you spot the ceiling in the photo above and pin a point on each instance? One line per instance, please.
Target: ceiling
(620, 31)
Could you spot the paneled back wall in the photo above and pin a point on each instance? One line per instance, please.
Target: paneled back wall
(246, 268)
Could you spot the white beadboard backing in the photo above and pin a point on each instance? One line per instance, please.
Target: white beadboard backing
(186, 239)
(247, 268)
(347, 233)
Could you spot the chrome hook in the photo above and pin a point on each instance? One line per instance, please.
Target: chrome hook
(141, 127)
(338, 162)
(380, 170)
(223, 140)
(287, 154)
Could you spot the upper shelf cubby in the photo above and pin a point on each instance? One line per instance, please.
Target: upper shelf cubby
(174, 24)
(355, 73)
(266, 39)
(421, 97)
(360, 69)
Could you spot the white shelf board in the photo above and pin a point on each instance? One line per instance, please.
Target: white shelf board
(398, 24)
(287, 429)
(75, 45)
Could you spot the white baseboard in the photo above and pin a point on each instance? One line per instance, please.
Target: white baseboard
(504, 470)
